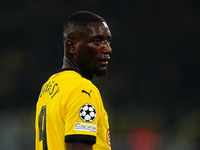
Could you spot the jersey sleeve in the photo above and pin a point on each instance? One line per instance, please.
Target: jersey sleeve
(82, 114)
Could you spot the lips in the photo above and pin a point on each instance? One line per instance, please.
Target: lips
(104, 61)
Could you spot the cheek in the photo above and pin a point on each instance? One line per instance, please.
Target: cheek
(91, 58)
(87, 56)
(91, 54)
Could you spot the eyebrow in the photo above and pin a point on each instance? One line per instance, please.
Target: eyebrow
(101, 37)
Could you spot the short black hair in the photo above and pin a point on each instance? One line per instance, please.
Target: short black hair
(81, 19)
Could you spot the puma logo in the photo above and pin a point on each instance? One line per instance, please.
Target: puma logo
(83, 91)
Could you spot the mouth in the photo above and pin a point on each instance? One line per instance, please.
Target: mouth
(104, 61)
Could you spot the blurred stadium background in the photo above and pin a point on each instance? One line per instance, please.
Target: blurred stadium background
(151, 90)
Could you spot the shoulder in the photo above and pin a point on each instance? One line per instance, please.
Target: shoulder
(86, 86)
(71, 80)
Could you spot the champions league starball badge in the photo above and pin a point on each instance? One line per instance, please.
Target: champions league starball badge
(87, 113)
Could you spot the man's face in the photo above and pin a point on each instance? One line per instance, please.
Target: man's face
(93, 48)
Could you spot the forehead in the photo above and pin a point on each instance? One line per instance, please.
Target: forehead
(98, 28)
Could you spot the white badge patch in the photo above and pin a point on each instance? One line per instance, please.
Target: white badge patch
(87, 113)
(85, 127)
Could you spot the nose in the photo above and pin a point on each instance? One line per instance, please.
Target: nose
(106, 47)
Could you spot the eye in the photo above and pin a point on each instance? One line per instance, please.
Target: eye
(97, 41)
(109, 41)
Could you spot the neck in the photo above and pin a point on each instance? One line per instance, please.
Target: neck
(71, 64)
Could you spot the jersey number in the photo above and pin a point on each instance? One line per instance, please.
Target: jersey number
(42, 127)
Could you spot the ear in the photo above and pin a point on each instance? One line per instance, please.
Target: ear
(70, 46)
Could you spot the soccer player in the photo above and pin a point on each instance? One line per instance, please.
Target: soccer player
(70, 114)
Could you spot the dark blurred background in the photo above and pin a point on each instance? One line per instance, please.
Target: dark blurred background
(151, 90)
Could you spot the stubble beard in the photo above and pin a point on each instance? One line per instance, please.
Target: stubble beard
(100, 73)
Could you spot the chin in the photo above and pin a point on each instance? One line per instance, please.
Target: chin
(99, 73)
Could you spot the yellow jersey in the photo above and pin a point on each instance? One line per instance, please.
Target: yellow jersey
(70, 108)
